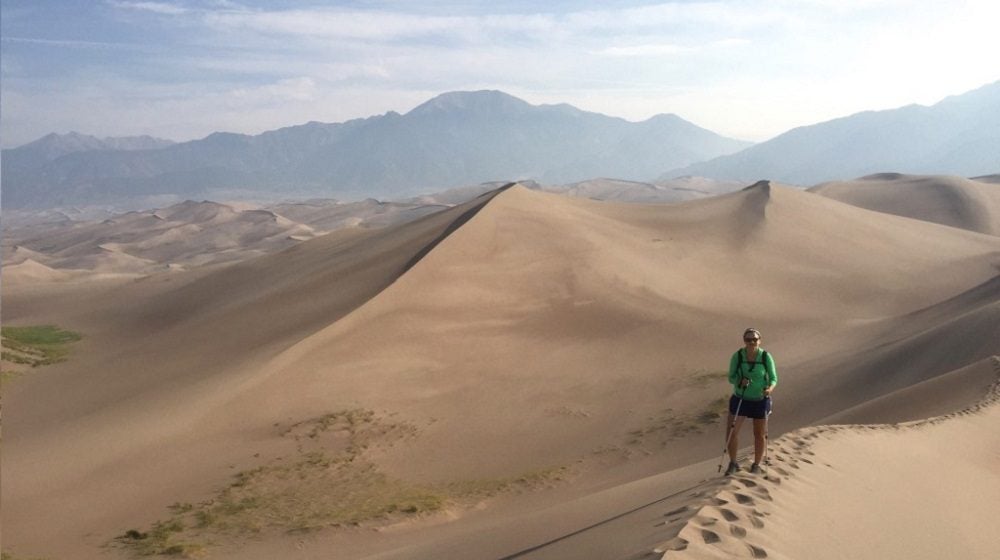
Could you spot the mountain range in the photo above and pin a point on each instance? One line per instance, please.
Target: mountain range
(465, 138)
(456, 138)
(960, 135)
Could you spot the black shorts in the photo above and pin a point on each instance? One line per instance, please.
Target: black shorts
(750, 409)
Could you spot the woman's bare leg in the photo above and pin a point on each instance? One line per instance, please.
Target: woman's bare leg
(759, 441)
(732, 436)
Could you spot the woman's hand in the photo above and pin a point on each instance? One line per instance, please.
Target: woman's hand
(767, 390)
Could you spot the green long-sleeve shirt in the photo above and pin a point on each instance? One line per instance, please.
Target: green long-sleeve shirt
(761, 374)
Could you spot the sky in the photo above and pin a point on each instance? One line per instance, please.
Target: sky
(747, 69)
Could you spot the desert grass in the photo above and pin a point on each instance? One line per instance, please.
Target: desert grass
(669, 425)
(10, 556)
(34, 346)
(329, 483)
(703, 378)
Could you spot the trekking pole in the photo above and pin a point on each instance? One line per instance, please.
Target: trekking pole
(767, 439)
(732, 426)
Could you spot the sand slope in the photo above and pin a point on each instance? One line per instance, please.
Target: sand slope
(517, 332)
(963, 203)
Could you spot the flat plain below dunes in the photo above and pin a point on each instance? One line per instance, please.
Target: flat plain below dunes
(521, 332)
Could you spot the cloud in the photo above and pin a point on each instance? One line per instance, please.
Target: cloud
(664, 49)
(164, 8)
(67, 43)
(294, 89)
(327, 23)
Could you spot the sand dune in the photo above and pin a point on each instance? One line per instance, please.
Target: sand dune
(328, 215)
(995, 179)
(970, 204)
(188, 234)
(19, 254)
(518, 333)
(589, 298)
(674, 190)
(30, 270)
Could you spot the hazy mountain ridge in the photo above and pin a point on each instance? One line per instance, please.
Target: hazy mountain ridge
(53, 146)
(457, 138)
(960, 135)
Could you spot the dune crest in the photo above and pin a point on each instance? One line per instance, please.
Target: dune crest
(972, 204)
(30, 270)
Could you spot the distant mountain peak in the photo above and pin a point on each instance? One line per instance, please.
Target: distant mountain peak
(666, 117)
(488, 101)
(956, 136)
(54, 144)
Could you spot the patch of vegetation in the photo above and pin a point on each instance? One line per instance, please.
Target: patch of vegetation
(330, 482)
(480, 489)
(9, 556)
(36, 345)
(669, 426)
(162, 539)
(703, 378)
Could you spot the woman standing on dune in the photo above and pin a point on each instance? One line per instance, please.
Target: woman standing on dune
(753, 376)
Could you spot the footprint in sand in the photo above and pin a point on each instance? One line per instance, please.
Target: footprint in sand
(756, 551)
(674, 544)
(728, 515)
(757, 522)
(737, 531)
(705, 521)
(744, 500)
(710, 537)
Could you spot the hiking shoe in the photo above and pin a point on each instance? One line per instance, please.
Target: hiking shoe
(732, 468)
(755, 468)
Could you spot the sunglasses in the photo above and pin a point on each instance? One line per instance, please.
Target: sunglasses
(751, 340)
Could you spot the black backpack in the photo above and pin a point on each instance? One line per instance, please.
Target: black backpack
(740, 362)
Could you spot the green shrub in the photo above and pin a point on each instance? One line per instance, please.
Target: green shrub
(37, 345)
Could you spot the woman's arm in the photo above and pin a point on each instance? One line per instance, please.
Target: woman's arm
(734, 375)
(772, 374)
